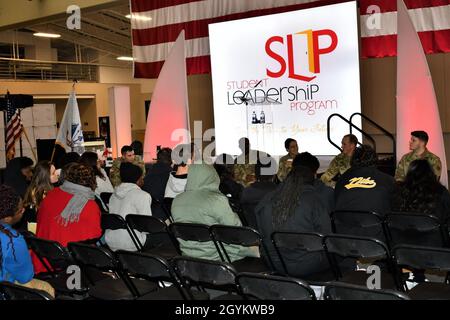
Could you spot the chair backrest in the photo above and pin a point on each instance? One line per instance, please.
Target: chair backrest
(243, 236)
(306, 243)
(11, 291)
(93, 256)
(148, 224)
(190, 231)
(148, 267)
(416, 229)
(267, 287)
(111, 221)
(105, 196)
(356, 247)
(420, 257)
(345, 291)
(144, 265)
(205, 273)
(53, 255)
(359, 223)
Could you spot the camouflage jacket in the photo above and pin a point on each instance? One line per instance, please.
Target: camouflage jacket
(403, 165)
(339, 165)
(114, 173)
(284, 168)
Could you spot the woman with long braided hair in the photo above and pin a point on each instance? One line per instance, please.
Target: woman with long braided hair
(15, 260)
(297, 207)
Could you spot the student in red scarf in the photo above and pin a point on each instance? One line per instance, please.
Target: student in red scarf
(69, 213)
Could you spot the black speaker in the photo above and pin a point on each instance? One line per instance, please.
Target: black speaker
(17, 100)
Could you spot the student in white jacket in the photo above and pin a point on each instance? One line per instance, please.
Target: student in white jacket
(128, 198)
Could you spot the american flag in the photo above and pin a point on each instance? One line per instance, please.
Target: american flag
(14, 126)
(157, 23)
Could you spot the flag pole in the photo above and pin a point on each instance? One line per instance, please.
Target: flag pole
(28, 139)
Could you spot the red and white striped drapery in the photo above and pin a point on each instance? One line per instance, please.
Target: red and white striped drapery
(157, 23)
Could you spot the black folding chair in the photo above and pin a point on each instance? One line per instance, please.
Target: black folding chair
(56, 259)
(416, 229)
(116, 287)
(365, 249)
(205, 274)
(268, 287)
(359, 223)
(166, 245)
(9, 291)
(306, 244)
(157, 204)
(105, 196)
(345, 291)
(111, 221)
(154, 269)
(425, 258)
(191, 232)
(240, 236)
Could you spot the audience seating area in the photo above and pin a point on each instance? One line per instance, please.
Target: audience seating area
(163, 273)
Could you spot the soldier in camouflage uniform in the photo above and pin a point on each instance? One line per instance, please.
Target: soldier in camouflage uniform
(285, 165)
(418, 147)
(127, 156)
(341, 163)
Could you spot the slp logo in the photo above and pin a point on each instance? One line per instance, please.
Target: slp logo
(314, 52)
(366, 183)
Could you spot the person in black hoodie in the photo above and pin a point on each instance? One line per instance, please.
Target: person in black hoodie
(421, 192)
(156, 180)
(363, 187)
(18, 174)
(294, 206)
(255, 192)
(306, 159)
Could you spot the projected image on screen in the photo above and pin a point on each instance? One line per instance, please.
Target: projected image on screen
(282, 76)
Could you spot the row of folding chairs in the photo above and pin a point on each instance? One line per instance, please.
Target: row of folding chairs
(129, 275)
(252, 287)
(394, 228)
(391, 262)
(220, 235)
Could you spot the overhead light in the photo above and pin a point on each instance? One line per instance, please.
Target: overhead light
(46, 35)
(138, 17)
(123, 58)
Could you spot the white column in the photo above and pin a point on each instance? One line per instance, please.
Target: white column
(120, 118)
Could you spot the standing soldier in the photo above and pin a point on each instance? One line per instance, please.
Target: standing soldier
(127, 156)
(418, 147)
(341, 163)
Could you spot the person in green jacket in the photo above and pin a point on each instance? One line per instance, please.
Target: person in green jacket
(202, 202)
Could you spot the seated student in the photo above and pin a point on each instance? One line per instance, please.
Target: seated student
(297, 207)
(202, 202)
(15, 260)
(183, 156)
(421, 192)
(44, 178)
(224, 167)
(156, 180)
(128, 198)
(69, 213)
(306, 159)
(255, 192)
(364, 187)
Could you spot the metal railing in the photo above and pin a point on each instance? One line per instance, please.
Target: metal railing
(23, 69)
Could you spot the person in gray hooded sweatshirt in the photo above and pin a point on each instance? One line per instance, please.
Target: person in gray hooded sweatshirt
(183, 156)
(128, 198)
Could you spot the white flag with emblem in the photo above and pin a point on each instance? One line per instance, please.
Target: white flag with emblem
(70, 135)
